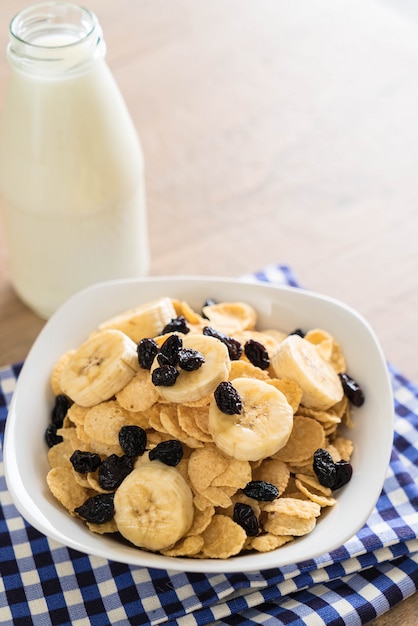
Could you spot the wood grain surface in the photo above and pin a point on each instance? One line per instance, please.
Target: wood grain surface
(273, 131)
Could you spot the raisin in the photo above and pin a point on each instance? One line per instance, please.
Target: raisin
(132, 440)
(113, 470)
(352, 390)
(164, 376)
(228, 399)
(234, 348)
(98, 509)
(170, 349)
(178, 325)
(208, 302)
(233, 345)
(169, 452)
(85, 462)
(51, 436)
(324, 468)
(244, 516)
(257, 354)
(190, 360)
(344, 472)
(298, 331)
(59, 411)
(147, 350)
(261, 490)
(162, 359)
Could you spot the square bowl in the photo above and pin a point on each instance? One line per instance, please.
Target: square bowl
(284, 308)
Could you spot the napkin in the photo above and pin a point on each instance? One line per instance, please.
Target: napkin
(43, 582)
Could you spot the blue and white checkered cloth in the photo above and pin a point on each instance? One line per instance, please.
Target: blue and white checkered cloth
(43, 582)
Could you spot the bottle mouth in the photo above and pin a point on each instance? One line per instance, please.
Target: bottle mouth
(62, 32)
(53, 25)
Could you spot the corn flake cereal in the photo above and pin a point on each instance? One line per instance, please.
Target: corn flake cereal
(306, 437)
(222, 538)
(216, 481)
(290, 516)
(66, 490)
(139, 394)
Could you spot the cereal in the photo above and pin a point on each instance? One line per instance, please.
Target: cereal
(170, 423)
(102, 529)
(268, 541)
(103, 422)
(245, 369)
(237, 475)
(194, 421)
(312, 489)
(205, 464)
(189, 546)
(290, 516)
(291, 390)
(139, 394)
(222, 538)
(77, 414)
(201, 520)
(344, 447)
(59, 455)
(213, 481)
(64, 487)
(230, 317)
(306, 437)
(273, 471)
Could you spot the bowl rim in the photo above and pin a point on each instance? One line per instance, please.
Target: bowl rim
(129, 554)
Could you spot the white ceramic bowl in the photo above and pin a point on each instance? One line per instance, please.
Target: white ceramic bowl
(278, 307)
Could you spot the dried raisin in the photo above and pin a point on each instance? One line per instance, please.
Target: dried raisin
(324, 468)
(228, 399)
(98, 509)
(208, 302)
(147, 350)
(169, 452)
(352, 389)
(51, 437)
(298, 331)
(190, 360)
(59, 411)
(244, 516)
(113, 470)
(177, 324)
(132, 440)
(344, 472)
(257, 354)
(330, 474)
(233, 345)
(164, 376)
(261, 490)
(170, 350)
(84, 462)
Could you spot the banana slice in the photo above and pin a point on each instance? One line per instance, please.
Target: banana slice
(153, 506)
(191, 386)
(261, 429)
(99, 368)
(146, 320)
(298, 359)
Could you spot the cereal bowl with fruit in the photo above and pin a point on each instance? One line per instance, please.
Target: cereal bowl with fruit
(200, 424)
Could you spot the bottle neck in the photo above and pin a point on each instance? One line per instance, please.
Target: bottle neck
(55, 39)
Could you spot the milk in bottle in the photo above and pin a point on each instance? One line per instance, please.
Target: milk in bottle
(71, 165)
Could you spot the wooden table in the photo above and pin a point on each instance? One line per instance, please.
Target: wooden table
(273, 131)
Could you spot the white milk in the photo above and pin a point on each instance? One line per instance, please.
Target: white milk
(71, 174)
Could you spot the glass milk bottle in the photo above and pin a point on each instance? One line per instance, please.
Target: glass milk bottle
(71, 165)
